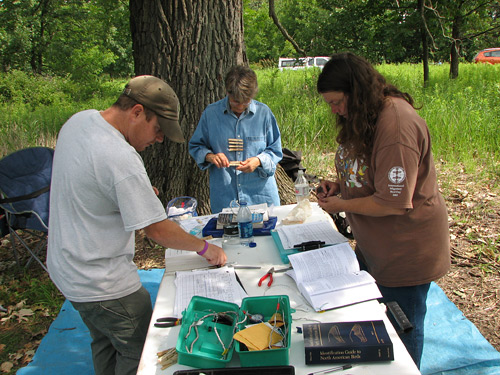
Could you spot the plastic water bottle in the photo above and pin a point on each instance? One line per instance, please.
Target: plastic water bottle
(245, 227)
(301, 187)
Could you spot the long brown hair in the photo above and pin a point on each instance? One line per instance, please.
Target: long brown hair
(366, 90)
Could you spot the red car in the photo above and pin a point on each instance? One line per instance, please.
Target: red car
(489, 56)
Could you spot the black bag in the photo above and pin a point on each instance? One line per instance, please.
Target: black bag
(342, 225)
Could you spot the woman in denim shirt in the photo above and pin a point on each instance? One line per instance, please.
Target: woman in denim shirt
(238, 140)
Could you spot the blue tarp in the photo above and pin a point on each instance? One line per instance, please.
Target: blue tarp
(65, 349)
(453, 345)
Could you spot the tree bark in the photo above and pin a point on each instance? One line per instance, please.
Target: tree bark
(286, 189)
(455, 46)
(425, 44)
(191, 44)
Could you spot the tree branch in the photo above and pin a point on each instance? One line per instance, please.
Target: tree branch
(272, 14)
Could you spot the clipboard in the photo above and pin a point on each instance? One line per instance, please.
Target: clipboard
(284, 253)
(314, 237)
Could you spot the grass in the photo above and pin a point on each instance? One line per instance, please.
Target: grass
(462, 115)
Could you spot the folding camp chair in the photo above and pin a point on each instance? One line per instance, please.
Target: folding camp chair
(24, 199)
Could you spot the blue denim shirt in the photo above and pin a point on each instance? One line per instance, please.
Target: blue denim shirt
(261, 138)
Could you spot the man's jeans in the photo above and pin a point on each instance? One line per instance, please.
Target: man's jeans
(118, 329)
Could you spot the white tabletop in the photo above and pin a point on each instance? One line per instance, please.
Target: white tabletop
(266, 255)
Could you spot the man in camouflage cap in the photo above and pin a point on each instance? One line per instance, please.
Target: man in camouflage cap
(100, 195)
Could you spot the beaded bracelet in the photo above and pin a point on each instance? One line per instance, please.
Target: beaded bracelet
(205, 248)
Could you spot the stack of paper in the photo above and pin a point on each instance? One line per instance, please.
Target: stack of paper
(218, 283)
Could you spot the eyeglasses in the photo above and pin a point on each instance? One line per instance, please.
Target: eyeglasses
(236, 103)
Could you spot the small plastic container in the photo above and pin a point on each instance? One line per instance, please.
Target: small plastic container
(198, 345)
(267, 306)
(231, 235)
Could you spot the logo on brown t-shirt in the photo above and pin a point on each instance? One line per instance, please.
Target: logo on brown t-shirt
(396, 175)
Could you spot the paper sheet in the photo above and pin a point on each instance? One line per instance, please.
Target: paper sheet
(290, 235)
(218, 283)
(182, 260)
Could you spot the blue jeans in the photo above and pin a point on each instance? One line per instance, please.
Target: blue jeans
(118, 329)
(412, 300)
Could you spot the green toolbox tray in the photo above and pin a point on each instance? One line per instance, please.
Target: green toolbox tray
(267, 306)
(206, 335)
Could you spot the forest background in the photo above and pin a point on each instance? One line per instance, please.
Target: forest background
(58, 57)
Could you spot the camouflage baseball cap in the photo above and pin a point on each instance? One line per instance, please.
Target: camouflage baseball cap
(155, 94)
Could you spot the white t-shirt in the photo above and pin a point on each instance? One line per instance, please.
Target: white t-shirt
(100, 194)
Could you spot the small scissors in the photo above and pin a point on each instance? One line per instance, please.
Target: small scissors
(268, 274)
(167, 322)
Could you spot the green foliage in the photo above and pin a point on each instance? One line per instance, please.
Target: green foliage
(61, 37)
(33, 108)
(461, 114)
(381, 31)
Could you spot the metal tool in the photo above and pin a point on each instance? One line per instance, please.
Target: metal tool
(167, 322)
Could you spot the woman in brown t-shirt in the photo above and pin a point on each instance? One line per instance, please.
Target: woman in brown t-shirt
(386, 184)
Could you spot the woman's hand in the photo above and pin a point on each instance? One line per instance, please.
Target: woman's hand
(249, 165)
(219, 160)
(332, 204)
(327, 189)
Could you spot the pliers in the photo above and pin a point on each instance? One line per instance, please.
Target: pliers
(167, 322)
(268, 274)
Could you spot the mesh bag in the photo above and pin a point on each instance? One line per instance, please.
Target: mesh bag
(182, 208)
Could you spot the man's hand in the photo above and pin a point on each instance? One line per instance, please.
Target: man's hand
(168, 233)
(249, 165)
(219, 160)
(215, 255)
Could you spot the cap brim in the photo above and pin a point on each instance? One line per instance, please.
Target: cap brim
(171, 129)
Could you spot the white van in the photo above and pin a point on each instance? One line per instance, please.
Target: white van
(318, 61)
(302, 62)
(292, 63)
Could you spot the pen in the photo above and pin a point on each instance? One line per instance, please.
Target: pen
(333, 369)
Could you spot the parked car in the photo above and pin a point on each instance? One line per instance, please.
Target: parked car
(489, 56)
(302, 62)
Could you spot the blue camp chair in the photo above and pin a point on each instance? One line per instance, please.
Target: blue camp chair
(24, 199)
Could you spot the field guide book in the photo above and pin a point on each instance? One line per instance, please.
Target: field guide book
(330, 277)
(347, 342)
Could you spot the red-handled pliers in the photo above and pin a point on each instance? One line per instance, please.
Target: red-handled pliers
(268, 274)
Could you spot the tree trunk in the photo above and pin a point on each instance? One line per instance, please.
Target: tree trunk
(455, 47)
(425, 44)
(191, 44)
(286, 189)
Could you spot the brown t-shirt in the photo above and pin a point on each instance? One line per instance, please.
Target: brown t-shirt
(399, 250)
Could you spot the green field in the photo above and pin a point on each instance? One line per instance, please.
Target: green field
(462, 114)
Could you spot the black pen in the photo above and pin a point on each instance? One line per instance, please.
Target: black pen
(333, 369)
